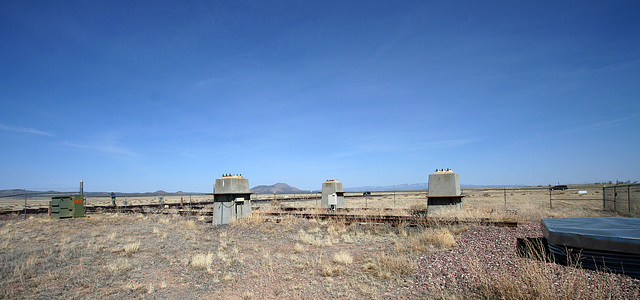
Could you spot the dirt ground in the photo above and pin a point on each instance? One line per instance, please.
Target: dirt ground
(124, 256)
(114, 256)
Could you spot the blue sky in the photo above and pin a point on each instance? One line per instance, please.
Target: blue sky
(147, 95)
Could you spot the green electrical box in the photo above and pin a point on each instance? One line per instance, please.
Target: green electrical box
(71, 206)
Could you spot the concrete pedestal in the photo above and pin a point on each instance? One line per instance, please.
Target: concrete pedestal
(329, 188)
(444, 190)
(232, 199)
(227, 212)
(444, 184)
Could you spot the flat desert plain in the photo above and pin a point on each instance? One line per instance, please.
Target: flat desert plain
(116, 255)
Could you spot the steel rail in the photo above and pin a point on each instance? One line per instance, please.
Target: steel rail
(420, 220)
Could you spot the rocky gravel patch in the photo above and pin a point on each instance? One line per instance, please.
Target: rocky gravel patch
(484, 263)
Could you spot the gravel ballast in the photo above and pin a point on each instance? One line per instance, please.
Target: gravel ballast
(484, 263)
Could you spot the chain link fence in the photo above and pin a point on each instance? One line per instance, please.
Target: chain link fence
(622, 198)
(27, 202)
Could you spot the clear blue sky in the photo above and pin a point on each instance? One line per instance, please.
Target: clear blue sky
(147, 95)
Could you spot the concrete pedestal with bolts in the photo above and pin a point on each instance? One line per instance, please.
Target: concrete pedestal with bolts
(444, 183)
(232, 199)
(444, 190)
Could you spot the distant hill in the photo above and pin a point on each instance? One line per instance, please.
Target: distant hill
(278, 188)
(20, 193)
(14, 193)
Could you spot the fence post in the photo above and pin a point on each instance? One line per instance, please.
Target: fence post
(550, 205)
(604, 198)
(629, 197)
(394, 199)
(25, 204)
(615, 195)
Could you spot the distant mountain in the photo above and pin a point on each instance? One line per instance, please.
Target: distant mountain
(471, 186)
(278, 188)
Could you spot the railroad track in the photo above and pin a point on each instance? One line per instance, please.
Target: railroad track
(340, 215)
(94, 208)
(197, 205)
(350, 218)
(413, 220)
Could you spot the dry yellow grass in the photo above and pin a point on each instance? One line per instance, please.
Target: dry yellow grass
(426, 241)
(343, 257)
(119, 266)
(330, 271)
(202, 261)
(131, 248)
(539, 279)
(387, 266)
(297, 248)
